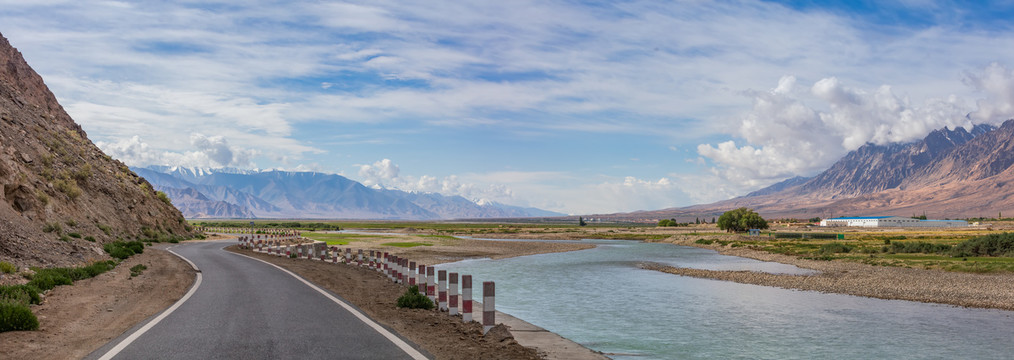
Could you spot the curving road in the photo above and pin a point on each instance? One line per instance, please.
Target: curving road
(243, 308)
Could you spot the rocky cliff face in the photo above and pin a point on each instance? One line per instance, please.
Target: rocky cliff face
(59, 190)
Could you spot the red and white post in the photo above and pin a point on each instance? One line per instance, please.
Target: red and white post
(488, 308)
(452, 294)
(411, 273)
(431, 287)
(466, 298)
(422, 279)
(442, 289)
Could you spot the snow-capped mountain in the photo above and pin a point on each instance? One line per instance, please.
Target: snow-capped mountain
(235, 193)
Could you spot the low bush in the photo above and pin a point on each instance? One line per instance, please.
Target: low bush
(90, 238)
(412, 299)
(137, 269)
(21, 294)
(7, 268)
(105, 228)
(988, 245)
(835, 248)
(75, 235)
(51, 227)
(919, 247)
(17, 317)
(123, 249)
(704, 241)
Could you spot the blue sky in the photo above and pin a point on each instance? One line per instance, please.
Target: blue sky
(578, 107)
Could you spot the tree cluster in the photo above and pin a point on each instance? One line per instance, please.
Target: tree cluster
(741, 219)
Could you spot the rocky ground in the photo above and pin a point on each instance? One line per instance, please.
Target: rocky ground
(935, 286)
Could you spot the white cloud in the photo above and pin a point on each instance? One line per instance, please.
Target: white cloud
(211, 152)
(996, 82)
(386, 174)
(792, 131)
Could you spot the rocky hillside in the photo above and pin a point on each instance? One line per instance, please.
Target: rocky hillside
(948, 174)
(60, 191)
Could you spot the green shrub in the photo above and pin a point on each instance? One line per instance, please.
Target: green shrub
(17, 317)
(835, 248)
(412, 299)
(45, 279)
(123, 249)
(704, 241)
(106, 229)
(71, 222)
(919, 247)
(7, 268)
(21, 294)
(69, 187)
(137, 269)
(988, 245)
(51, 227)
(74, 235)
(90, 238)
(165, 198)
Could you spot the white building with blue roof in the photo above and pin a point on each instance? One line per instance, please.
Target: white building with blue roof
(890, 221)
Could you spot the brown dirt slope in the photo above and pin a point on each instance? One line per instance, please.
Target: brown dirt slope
(56, 182)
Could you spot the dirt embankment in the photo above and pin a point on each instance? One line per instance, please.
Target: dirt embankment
(77, 319)
(443, 336)
(934, 286)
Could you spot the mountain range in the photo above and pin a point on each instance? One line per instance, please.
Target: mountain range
(951, 173)
(234, 193)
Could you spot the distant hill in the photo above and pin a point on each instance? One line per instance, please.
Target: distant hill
(59, 189)
(233, 193)
(948, 174)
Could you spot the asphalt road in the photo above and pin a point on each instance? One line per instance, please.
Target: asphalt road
(247, 309)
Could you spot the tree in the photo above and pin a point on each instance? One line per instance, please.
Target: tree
(580, 221)
(741, 219)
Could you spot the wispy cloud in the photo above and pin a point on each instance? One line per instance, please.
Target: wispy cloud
(279, 80)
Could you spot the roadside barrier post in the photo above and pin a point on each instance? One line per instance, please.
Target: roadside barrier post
(411, 273)
(360, 257)
(488, 310)
(452, 294)
(403, 269)
(421, 279)
(466, 298)
(431, 287)
(442, 289)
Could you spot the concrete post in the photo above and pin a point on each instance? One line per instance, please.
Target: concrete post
(411, 273)
(466, 298)
(442, 289)
(431, 284)
(452, 294)
(421, 279)
(488, 308)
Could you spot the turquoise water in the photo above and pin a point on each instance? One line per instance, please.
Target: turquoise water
(600, 299)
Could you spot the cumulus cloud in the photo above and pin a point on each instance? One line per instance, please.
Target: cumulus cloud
(996, 82)
(797, 131)
(212, 151)
(386, 174)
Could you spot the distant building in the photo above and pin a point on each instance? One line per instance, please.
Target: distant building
(890, 221)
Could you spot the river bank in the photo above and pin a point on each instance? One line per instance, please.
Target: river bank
(894, 283)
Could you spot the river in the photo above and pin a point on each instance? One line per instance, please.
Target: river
(602, 300)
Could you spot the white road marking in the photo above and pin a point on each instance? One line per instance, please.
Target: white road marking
(401, 344)
(130, 339)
